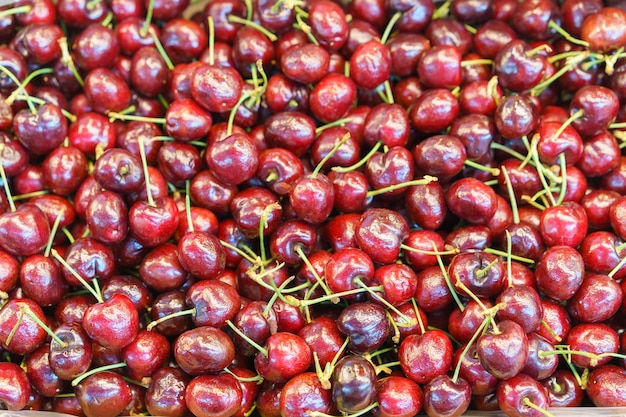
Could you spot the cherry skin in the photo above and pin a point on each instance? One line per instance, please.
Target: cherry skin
(292, 403)
(286, 356)
(503, 353)
(203, 350)
(424, 357)
(398, 397)
(113, 323)
(76, 357)
(146, 354)
(603, 385)
(111, 390)
(353, 383)
(514, 391)
(25, 231)
(28, 335)
(563, 389)
(366, 326)
(15, 386)
(166, 393)
(213, 395)
(445, 397)
(201, 254)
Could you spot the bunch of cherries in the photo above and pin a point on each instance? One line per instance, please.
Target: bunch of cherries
(312, 207)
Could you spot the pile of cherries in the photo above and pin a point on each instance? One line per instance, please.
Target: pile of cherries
(312, 207)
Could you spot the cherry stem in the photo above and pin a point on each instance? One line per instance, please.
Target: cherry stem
(330, 297)
(534, 406)
(418, 316)
(478, 332)
(5, 181)
(301, 25)
(26, 196)
(53, 232)
(470, 62)
(131, 117)
(512, 199)
(307, 262)
(211, 24)
(90, 372)
(389, 99)
(617, 267)
(504, 254)
(362, 162)
(246, 338)
(162, 52)
(18, 87)
(390, 24)
(190, 225)
(470, 29)
(262, 226)
(484, 271)
(20, 318)
(541, 48)
(41, 71)
(146, 173)
(15, 10)
(258, 91)
(570, 62)
(236, 19)
(240, 252)
(407, 321)
(258, 378)
(594, 357)
(385, 367)
(443, 10)
(509, 272)
(426, 180)
(146, 24)
(26, 310)
(330, 154)
(160, 320)
(324, 375)
(452, 251)
(338, 122)
(540, 172)
(68, 234)
(563, 190)
(446, 277)
(76, 275)
(553, 25)
(499, 147)
(473, 164)
(551, 331)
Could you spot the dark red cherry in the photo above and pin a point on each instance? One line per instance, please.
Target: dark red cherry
(113, 323)
(110, 390)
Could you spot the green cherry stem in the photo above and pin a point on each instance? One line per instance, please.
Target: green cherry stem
(76, 275)
(467, 347)
(26, 310)
(53, 232)
(235, 329)
(362, 162)
(81, 377)
(446, 277)
(5, 182)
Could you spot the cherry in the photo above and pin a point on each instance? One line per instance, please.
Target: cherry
(522, 395)
(516, 116)
(559, 273)
(42, 280)
(213, 395)
(105, 91)
(284, 356)
(167, 304)
(604, 41)
(398, 397)
(165, 395)
(201, 254)
(15, 386)
(365, 325)
(424, 357)
(503, 351)
(353, 384)
(602, 386)
(113, 323)
(564, 225)
(317, 399)
(446, 397)
(333, 96)
(41, 375)
(596, 340)
(74, 357)
(111, 390)
(21, 332)
(537, 365)
(323, 337)
(214, 303)
(598, 298)
(434, 110)
(216, 89)
(203, 350)
(563, 389)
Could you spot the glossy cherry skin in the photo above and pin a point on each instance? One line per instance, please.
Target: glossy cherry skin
(105, 91)
(398, 397)
(603, 386)
(522, 305)
(312, 198)
(111, 391)
(612, 37)
(512, 393)
(203, 350)
(25, 231)
(76, 357)
(164, 305)
(332, 97)
(353, 383)
(366, 325)
(215, 302)
(317, 398)
(166, 393)
(594, 338)
(42, 281)
(563, 389)
(287, 356)
(423, 357)
(28, 335)
(598, 299)
(15, 386)
(559, 272)
(41, 375)
(113, 323)
(146, 354)
(213, 395)
(323, 337)
(445, 397)
(504, 353)
(201, 254)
